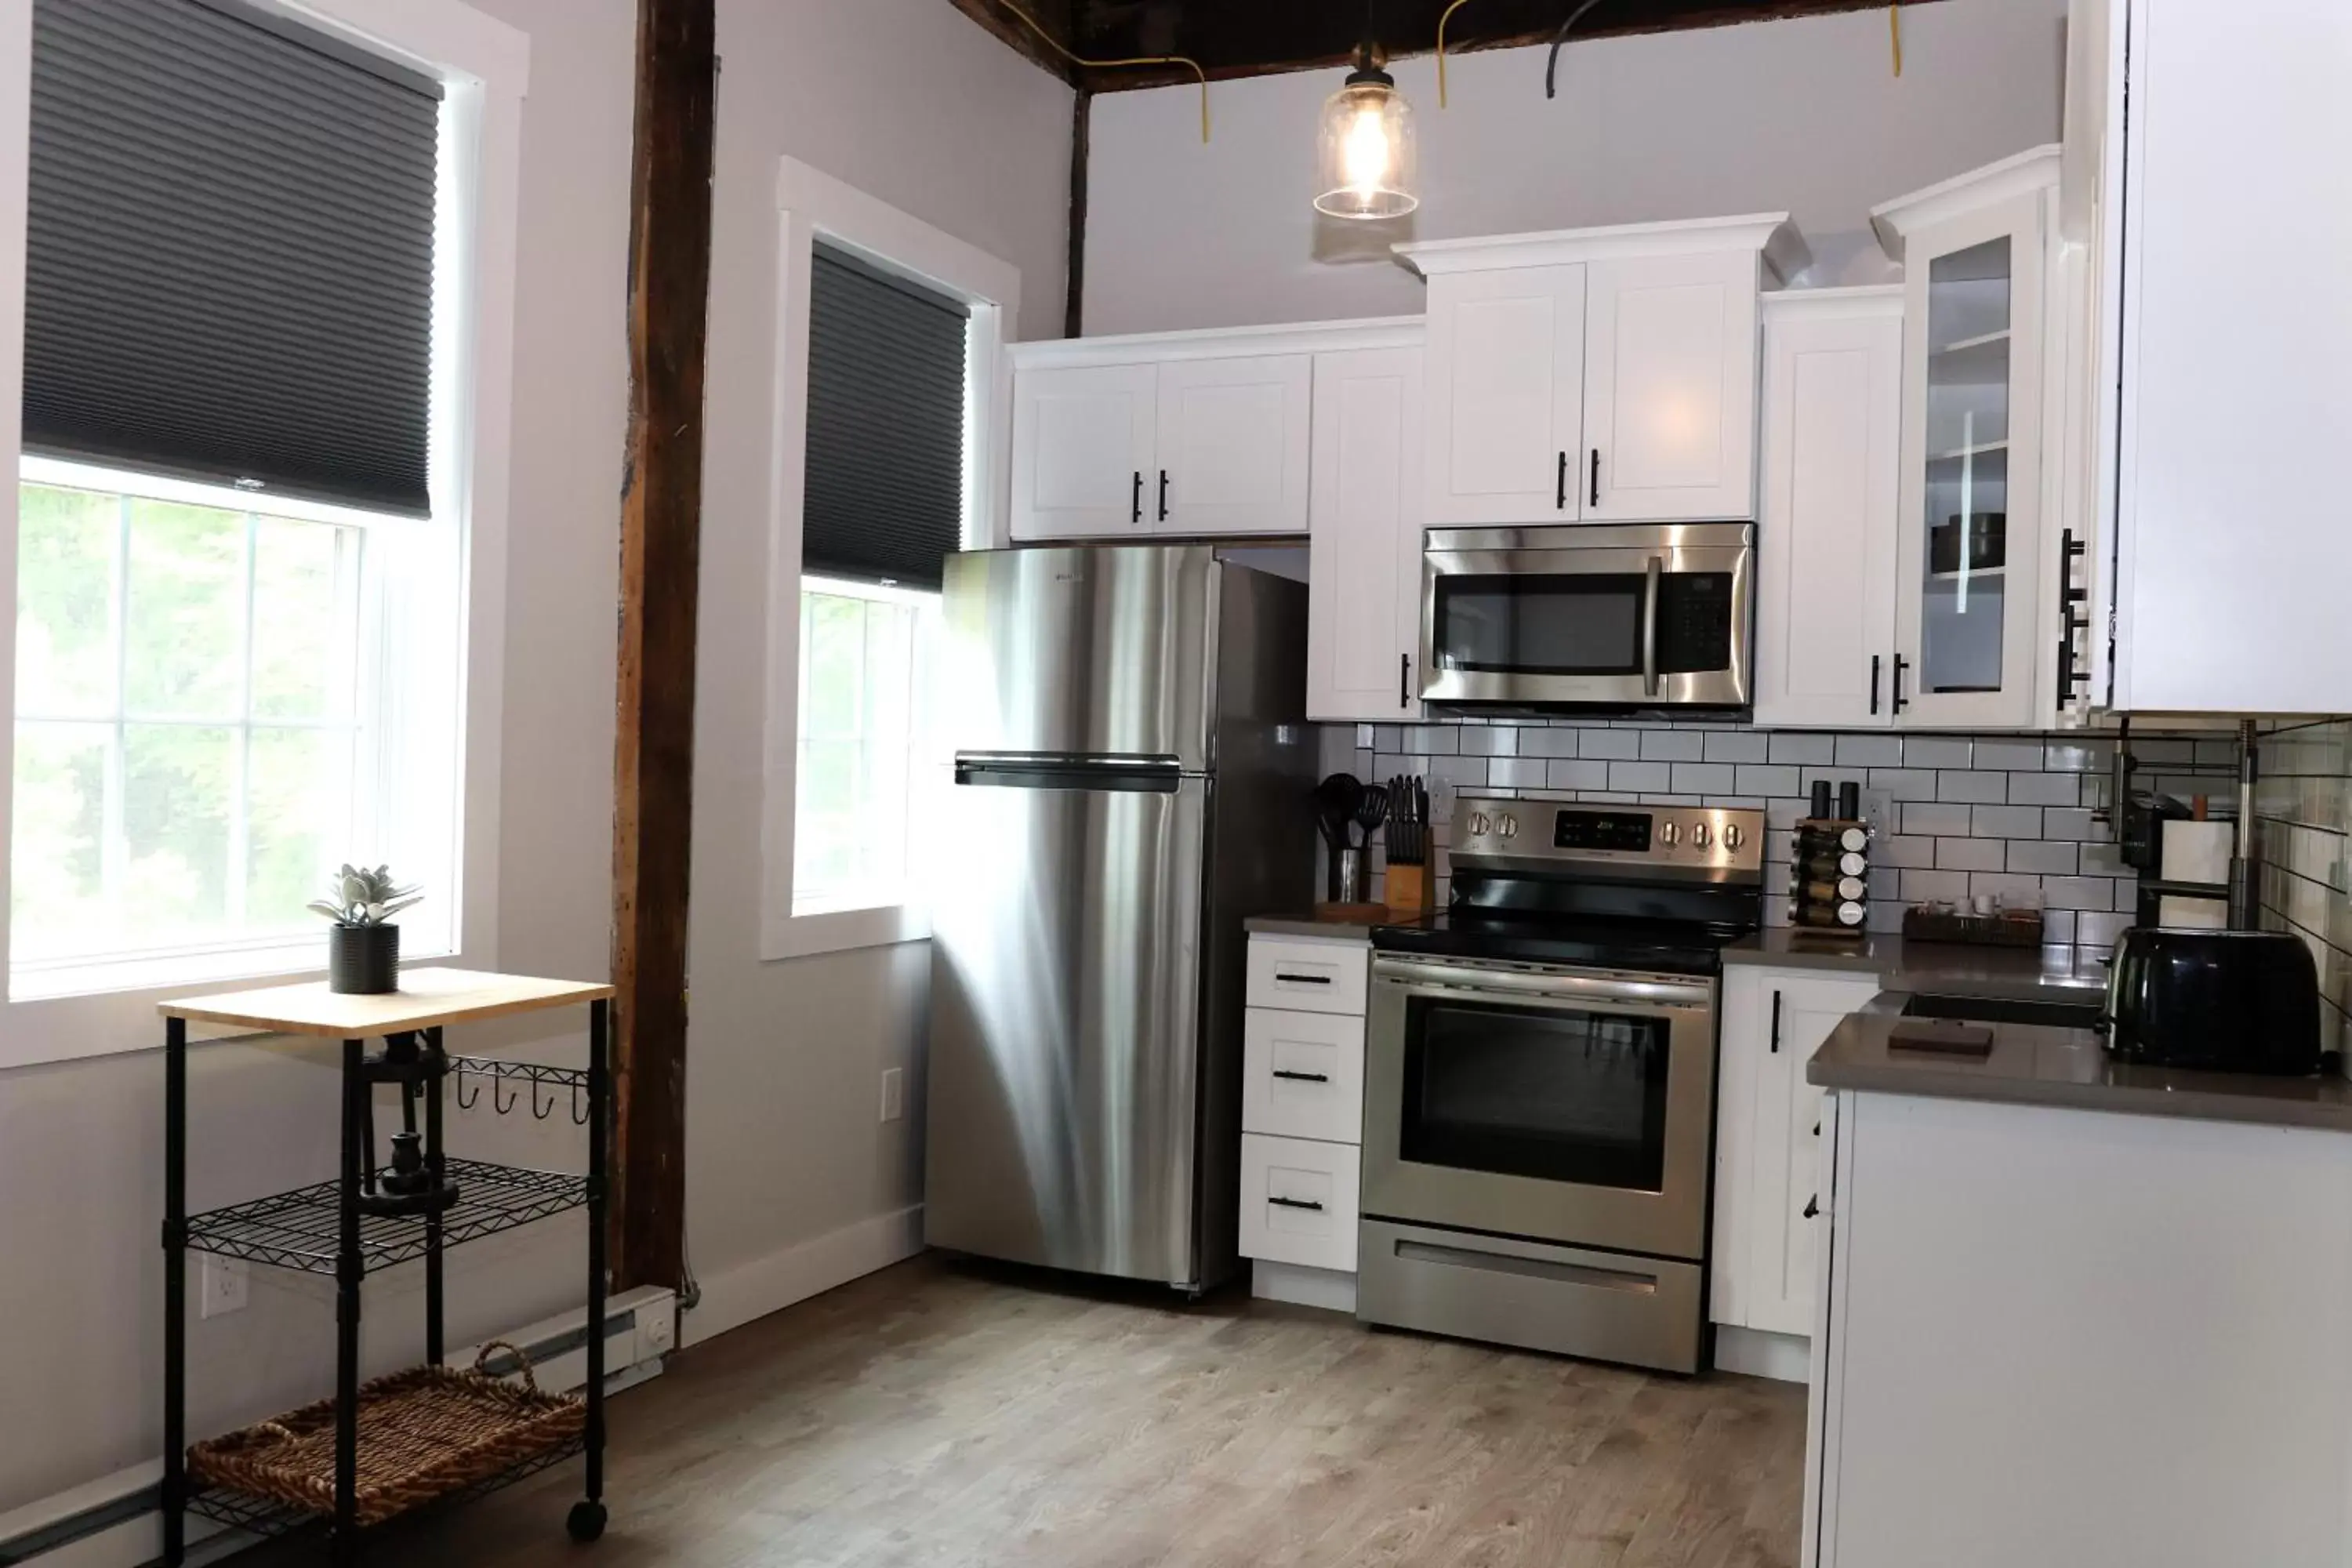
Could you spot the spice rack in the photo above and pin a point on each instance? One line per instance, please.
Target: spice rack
(323, 1227)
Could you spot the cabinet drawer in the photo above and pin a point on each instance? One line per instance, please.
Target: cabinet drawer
(1303, 1075)
(1307, 975)
(1298, 1201)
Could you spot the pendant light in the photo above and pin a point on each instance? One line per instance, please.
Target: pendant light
(1366, 152)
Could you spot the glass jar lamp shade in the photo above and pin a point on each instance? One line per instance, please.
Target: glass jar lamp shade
(1367, 162)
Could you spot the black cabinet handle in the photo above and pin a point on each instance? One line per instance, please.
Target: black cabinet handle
(1776, 1023)
(1302, 979)
(1596, 475)
(1295, 1203)
(1163, 495)
(1873, 685)
(1135, 507)
(2069, 623)
(1560, 492)
(1404, 681)
(1813, 1205)
(1817, 1129)
(1901, 664)
(1303, 1076)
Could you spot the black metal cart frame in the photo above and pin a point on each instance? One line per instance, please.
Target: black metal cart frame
(321, 1229)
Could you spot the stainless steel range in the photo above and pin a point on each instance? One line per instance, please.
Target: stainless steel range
(1539, 1079)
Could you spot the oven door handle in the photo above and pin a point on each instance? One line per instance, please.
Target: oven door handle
(1650, 628)
(1542, 990)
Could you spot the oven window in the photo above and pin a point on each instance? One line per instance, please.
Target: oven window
(1539, 624)
(1559, 1095)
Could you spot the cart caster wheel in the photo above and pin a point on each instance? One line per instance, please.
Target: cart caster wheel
(586, 1520)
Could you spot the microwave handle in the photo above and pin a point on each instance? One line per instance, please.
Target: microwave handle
(1650, 628)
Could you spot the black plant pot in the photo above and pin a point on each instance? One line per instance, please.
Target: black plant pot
(363, 961)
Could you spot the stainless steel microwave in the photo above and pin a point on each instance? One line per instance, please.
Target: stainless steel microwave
(1632, 616)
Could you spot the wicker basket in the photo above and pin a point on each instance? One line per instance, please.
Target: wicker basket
(424, 1433)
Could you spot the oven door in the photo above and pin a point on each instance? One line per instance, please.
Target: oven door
(1558, 1105)
(1655, 615)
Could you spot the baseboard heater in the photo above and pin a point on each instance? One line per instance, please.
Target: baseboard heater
(115, 1523)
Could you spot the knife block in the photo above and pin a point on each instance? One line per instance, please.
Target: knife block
(1409, 890)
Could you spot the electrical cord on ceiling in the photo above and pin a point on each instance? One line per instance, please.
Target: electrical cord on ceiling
(1056, 44)
(1443, 17)
(1551, 61)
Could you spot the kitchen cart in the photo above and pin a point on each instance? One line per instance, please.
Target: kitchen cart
(368, 1218)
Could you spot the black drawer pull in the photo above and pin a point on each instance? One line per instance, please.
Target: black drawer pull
(1303, 1076)
(1301, 979)
(1297, 1203)
(1814, 1206)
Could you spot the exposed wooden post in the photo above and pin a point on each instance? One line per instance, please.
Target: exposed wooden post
(661, 520)
(1075, 300)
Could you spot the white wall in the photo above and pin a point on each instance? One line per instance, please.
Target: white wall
(791, 1179)
(81, 1145)
(1800, 116)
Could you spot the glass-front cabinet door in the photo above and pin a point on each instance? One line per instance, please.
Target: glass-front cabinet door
(1969, 555)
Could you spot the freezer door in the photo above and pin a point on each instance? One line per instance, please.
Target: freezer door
(1102, 652)
(1065, 1050)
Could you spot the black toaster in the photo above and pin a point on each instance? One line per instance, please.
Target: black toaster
(2228, 1001)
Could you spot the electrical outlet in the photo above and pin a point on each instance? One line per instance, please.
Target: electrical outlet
(227, 1281)
(894, 1093)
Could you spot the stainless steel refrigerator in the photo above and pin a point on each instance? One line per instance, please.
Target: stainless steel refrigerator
(1131, 779)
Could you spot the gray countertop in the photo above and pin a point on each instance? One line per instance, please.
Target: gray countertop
(1933, 967)
(2066, 1068)
(1310, 925)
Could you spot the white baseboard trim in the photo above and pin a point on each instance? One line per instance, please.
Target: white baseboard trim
(1302, 1286)
(764, 1285)
(1784, 1358)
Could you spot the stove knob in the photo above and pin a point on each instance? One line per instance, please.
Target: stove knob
(1478, 825)
(1699, 836)
(1669, 835)
(1732, 838)
(1507, 825)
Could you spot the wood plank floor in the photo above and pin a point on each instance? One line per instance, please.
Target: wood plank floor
(938, 1414)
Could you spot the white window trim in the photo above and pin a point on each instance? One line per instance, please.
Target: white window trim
(484, 65)
(811, 204)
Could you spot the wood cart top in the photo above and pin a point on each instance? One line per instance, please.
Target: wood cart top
(427, 999)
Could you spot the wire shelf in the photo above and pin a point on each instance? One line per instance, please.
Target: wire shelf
(265, 1516)
(302, 1229)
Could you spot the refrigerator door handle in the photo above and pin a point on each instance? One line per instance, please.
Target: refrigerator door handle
(1153, 776)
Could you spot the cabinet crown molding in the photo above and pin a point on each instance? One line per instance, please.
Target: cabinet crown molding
(1868, 299)
(1771, 235)
(1220, 342)
(2035, 169)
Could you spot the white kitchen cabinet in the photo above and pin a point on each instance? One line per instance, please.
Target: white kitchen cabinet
(1363, 608)
(1302, 1115)
(1298, 1201)
(2231, 552)
(1597, 374)
(1232, 445)
(1766, 1144)
(1969, 619)
(1826, 520)
(2055, 1337)
(1670, 387)
(1083, 444)
(1506, 390)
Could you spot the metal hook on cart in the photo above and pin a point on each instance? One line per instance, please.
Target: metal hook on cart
(498, 1104)
(579, 1106)
(463, 1102)
(536, 1114)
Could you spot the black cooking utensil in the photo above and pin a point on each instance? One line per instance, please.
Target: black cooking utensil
(1371, 810)
(1335, 800)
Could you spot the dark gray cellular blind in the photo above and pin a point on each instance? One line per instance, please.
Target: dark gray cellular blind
(883, 499)
(229, 253)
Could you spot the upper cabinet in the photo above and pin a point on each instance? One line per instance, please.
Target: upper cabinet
(1826, 534)
(1597, 374)
(1968, 562)
(1186, 433)
(2227, 138)
(1363, 604)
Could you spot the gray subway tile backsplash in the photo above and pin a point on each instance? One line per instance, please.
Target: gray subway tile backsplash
(2303, 807)
(1957, 816)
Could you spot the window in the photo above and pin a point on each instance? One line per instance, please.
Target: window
(239, 624)
(885, 488)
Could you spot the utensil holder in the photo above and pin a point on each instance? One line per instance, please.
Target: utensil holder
(1348, 868)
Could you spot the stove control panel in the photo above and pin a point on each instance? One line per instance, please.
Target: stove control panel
(1672, 839)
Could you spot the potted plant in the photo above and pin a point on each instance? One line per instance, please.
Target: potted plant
(363, 946)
